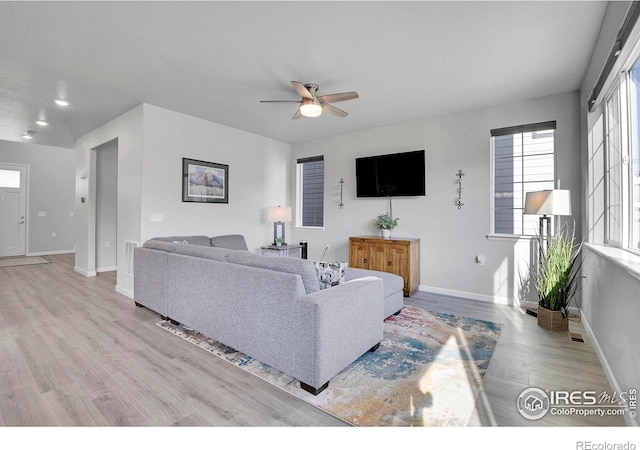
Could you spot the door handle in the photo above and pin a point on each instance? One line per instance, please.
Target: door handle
(21, 222)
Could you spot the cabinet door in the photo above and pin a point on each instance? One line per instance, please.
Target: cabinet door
(359, 255)
(377, 256)
(397, 260)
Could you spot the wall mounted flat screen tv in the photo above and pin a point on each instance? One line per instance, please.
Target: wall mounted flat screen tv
(393, 175)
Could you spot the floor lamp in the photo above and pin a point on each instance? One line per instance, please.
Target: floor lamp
(553, 202)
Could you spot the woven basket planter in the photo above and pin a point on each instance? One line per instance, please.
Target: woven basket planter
(552, 320)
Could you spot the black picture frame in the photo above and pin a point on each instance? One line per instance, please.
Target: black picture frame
(204, 182)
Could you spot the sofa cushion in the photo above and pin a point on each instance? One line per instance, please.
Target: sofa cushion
(230, 241)
(199, 251)
(392, 283)
(302, 267)
(157, 244)
(330, 274)
(193, 240)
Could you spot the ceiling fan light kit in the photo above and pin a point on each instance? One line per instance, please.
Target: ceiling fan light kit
(312, 105)
(310, 108)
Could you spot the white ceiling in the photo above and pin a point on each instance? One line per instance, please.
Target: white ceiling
(216, 60)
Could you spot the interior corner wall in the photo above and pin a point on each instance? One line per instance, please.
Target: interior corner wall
(450, 238)
(127, 129)
(258, 178)
(51, 191)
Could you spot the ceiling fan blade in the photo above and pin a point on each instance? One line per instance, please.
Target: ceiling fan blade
(302, 90)
(333, 110)
(333, 98)
(297, 115)
(279, 101)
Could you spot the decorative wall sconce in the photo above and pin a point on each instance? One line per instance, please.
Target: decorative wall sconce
(341, 203)
(458, 201)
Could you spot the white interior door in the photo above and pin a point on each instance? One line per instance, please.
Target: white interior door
(13, 202)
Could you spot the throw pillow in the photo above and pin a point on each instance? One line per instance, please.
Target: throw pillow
(184, 241)
(330, 274)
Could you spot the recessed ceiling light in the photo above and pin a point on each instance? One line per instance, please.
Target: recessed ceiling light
(28, 135)
(61, 102)
(42, 123)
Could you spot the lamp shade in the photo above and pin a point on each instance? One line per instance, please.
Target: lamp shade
(555, 202)
(279, 214)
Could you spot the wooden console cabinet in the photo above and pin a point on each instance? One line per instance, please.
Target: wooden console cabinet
(400, 256)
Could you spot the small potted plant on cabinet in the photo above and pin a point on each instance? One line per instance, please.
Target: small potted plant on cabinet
(385, 222)
(557, 279)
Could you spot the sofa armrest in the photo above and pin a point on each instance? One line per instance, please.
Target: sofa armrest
(150, 279)
(346, 323)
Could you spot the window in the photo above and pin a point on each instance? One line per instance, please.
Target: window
(523, 161)
(310, 192)
(634, 154)
(9, 178)
(620, 167)
(614, 169)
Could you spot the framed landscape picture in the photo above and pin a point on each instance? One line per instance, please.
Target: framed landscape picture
(204, 182)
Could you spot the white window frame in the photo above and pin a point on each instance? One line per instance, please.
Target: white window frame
(620, 86)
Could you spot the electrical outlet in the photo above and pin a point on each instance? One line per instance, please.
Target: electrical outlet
(53, 234)
(107, 244)
(328, 246)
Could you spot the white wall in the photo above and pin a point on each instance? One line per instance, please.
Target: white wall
(610, 312)
(151, 144)
(450, 238)
(51, 191)
(258, 178)
(127, 129)
(609, 305)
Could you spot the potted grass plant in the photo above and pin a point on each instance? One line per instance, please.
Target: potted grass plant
(558, 277)
(385, 222)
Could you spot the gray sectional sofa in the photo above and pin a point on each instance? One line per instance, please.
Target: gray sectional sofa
(271, 308)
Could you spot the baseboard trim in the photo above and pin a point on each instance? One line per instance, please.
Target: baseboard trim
(84, 272)
(608, 371)
(468, 295)
(106, 269)
(57, 252)
(125, 292)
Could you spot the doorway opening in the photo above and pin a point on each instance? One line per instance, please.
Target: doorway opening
(105, 169)
(13, 209)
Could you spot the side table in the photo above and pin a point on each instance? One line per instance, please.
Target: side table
(282, 250)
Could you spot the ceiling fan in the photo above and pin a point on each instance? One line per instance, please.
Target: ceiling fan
(313, 105)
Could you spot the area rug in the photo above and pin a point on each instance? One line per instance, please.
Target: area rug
(427, 372)
(22, 261)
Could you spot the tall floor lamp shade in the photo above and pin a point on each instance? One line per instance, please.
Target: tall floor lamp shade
(279, 215)
(553, 202)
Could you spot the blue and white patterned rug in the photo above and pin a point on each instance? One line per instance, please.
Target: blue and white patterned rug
(427, 372)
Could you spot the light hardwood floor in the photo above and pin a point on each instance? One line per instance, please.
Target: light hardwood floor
(73, 352)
